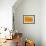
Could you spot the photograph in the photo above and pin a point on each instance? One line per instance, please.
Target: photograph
(29, 19)
(22, 22)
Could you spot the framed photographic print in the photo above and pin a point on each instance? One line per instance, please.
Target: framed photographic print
(28, 19)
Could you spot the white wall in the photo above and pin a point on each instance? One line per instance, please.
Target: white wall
(6, 13)
(43, 22)
(31, 31)
(26, 8)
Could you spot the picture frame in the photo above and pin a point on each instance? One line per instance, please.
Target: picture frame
(28, 19)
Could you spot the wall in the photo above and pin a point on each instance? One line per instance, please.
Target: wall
(30, 31)
(6, 13)
(43, 22)
(6, 16)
